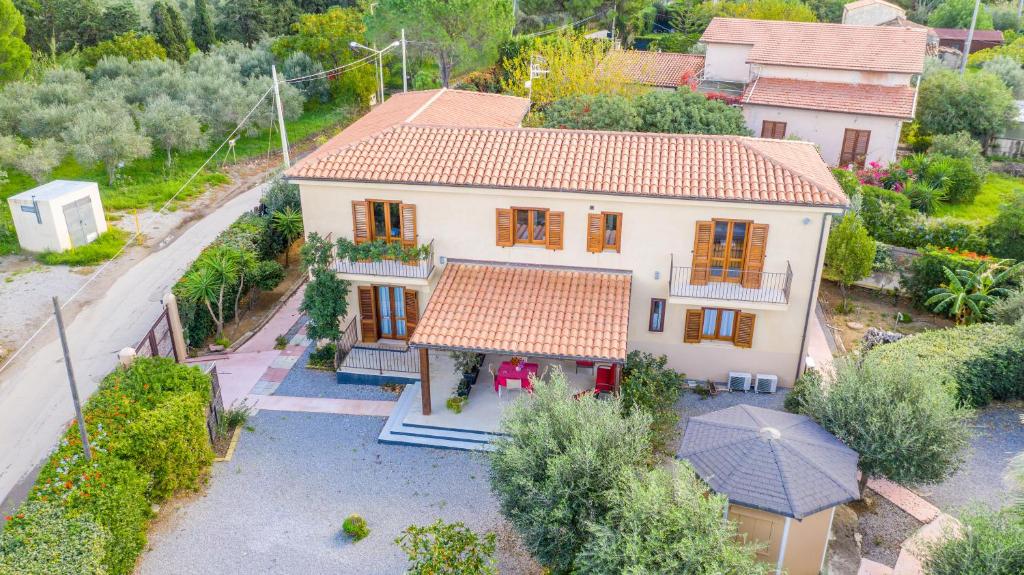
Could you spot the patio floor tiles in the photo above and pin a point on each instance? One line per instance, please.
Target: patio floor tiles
(284, 362)
(276, 374)
(905, 499)
(293, 350)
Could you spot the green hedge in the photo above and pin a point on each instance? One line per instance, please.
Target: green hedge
(982, 362)
(889, 218)
(42, 540)
(148, 436)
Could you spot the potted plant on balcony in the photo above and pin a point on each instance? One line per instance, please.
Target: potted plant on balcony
(467, 364)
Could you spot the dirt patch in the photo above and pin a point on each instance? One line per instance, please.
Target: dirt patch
(873, 309)
(844, 547)
(883, 527)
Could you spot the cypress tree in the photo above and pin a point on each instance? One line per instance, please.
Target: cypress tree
(202, 26)
(170, 30)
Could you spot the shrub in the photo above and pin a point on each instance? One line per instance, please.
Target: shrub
(1006, 232)
(104, 247)
(900, 419)
(850, 253)
(447, 549)
(40, 539)
(989, 544)
(980, 105)
(323, 357)
(1009, 71)
(806, 384)
(962, 182)
(355, 527)
(647, 384)
(664, 521)
(559, 457)
(171, 443)
(593, 112)
(1008, 310)
(981, 362)
(926, 272)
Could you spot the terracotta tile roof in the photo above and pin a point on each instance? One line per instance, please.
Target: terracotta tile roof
(441, 106)
(663, 69)
(961, 34)
(531, 310)
(819, 45)
(894, 101)
(729, 168)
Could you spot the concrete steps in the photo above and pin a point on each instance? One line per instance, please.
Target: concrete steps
(398, 433)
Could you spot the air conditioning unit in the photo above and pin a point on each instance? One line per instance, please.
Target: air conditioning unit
(739, 381)
(766, 383)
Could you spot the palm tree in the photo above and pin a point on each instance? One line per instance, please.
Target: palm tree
(288, 223)
(214, 272)
(969, 292)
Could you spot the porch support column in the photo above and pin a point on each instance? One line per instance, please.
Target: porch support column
(616, 375)
(425, 379)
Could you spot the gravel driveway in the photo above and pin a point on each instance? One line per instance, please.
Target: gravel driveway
(998, 436)
(278, 505)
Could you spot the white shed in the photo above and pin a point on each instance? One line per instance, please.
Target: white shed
(58, 215)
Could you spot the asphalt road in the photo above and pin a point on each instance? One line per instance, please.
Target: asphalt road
(35, 402)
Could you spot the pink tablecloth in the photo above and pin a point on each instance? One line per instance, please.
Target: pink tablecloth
(507, 371)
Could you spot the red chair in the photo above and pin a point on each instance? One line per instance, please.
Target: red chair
(603, 380)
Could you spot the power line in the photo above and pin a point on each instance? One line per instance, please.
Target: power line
(344, 67)
(138, 233)
(569, 25)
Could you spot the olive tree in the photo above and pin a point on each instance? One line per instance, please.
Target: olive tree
(172, 126)
(901, 419)
(665, 521)
(850, 253)
(326, 298)
(556, 463)
(106, 134)
(980, 105)
(37, 160)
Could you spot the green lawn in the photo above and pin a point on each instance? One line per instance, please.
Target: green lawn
(986, 205)
(147, 183)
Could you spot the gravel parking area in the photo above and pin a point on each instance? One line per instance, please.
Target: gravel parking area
(304, 382)
(998, 436)
(691, 404)
(278, 505)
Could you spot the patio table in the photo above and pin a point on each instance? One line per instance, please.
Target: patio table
(508, 371)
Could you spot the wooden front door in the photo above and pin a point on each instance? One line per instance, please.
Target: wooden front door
(391, 320)
(728, 249)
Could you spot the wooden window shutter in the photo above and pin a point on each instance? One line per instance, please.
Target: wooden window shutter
(694, 321)
(556, 230)
(775, 130)
(367, 314)
(409, 225)
(503, 227)
(595, 230)
(744, 330)
(360, 222)
(412, 310)
(855, 147)
(702, 253)
(753, 262)
(861, 149)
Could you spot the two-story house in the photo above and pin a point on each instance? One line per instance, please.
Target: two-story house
(571, 247)
(847, 89)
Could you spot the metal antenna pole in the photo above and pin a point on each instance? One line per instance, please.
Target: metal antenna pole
(280, 117)
(970, 38)
(71, 380)
(404, 75)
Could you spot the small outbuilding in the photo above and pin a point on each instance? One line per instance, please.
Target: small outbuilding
(58, 215)
(784, 475)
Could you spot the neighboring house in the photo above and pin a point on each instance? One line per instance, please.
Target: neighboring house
(1011, 141)
(847, 89)
(660, 70)
(572, 245)
(956, 39)
(871, 13)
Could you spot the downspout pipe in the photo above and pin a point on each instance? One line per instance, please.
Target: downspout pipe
(810, 296)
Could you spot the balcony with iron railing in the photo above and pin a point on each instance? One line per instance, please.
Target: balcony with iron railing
(764, 289)
(416, 269)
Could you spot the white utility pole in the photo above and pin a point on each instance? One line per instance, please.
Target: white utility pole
(536, 61)
(404, 75)
(970, 38)
(71, 380)
(280, 117)
(380, 63)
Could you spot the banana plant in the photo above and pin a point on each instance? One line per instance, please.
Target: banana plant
(968, 293)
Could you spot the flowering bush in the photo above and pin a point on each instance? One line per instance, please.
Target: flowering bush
(892, 177)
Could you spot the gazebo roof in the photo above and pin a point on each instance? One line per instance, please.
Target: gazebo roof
(771, 460)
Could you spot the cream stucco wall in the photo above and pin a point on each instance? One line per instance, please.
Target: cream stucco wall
(826, 130)
(727, 62)
(833, 75)
(806, 541)
(461, 223)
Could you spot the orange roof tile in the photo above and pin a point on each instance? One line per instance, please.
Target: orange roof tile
(820, 45)
(664, 69)
(729, 168)
(441, 106)
(531, 310)
(894, 101)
